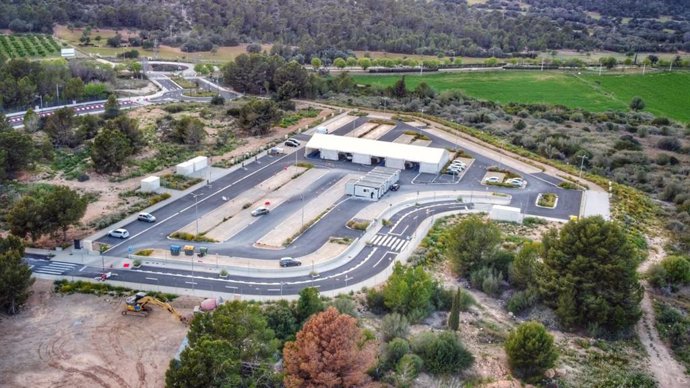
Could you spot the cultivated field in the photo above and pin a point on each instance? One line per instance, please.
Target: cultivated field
(665, 93)
(35, 46)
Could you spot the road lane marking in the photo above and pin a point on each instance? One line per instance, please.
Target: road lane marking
(192, 283)
(205, 198)
(156, 279)
(82, 268)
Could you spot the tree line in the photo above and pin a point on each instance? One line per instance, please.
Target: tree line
(420, 27)
(25, 83)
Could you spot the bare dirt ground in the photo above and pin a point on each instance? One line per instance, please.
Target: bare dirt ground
(668, 372)
(83, 341)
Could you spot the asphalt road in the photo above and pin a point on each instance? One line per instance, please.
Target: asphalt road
(369, 262)
(17, 119)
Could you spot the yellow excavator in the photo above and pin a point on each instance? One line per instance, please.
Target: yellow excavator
(139, 304)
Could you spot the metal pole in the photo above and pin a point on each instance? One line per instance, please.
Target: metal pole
(582, 164)
(302, 199)
(196, 213)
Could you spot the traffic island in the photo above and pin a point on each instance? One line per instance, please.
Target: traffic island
(547, 200)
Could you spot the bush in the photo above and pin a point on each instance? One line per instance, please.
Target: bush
(410, 366)
(442, 353)
(394, 351)
(521, 301)
(394, 325)
(657, 276)
(442, 298)
(677, 270)
(530, 350)
(669, 144)
(345, 305)
(376, 301)
(217, 100)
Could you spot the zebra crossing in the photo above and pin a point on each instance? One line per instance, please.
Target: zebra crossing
(55, 268)
(393, 243)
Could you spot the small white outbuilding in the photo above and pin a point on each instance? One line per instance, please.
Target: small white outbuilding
(150, 184)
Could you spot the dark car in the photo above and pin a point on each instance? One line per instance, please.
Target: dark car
(289, 262)
(291, 143)
(395, 187)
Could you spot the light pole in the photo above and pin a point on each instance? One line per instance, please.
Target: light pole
(196, 210)
(302, 199)
(582, 164)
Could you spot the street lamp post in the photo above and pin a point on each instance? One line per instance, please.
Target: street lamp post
(196, 210)
(582, 164)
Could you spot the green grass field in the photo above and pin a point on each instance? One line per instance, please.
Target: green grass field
(666, 94)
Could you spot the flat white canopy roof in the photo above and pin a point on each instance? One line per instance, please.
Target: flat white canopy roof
(384, 149)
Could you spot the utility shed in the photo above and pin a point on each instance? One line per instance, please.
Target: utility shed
(367, 151)
(150, 184)
(373, 185)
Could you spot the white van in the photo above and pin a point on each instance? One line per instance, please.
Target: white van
(323, 130)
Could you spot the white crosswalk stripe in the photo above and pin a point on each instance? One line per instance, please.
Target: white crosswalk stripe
(393, 243)
(55, 268)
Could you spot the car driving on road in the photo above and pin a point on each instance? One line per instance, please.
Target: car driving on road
(260, 211)
(119, 233)
(291, 143)
(147, 217)
(289, 262)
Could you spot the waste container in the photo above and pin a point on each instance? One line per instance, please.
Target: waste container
(188, 250)
(203, 251)
(175, 250)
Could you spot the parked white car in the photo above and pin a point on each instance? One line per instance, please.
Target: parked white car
(493, 179)
(119, 233)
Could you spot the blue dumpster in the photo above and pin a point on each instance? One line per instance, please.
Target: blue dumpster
(203, 251)
(175, 250)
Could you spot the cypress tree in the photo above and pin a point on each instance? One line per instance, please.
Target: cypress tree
(454, 317)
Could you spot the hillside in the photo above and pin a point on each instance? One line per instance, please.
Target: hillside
(485, 28)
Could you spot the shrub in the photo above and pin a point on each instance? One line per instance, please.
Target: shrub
(394, 351)
(136, 263)
(409, 366)
(547, 200)
(144, 252)
(394, 325)
(669, 144)
(442, 353)
(657, 276)
(677, 269)
(522, 300)
(530, 350)
(345, 305)
(217, 100)
(376, 301)
(441, 298)
(492, 284)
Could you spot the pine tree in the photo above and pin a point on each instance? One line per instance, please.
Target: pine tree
(530, 350)
(111, 107)
(454, 316)
(330, 351)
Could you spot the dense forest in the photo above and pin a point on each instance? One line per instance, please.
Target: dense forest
(495, 28)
